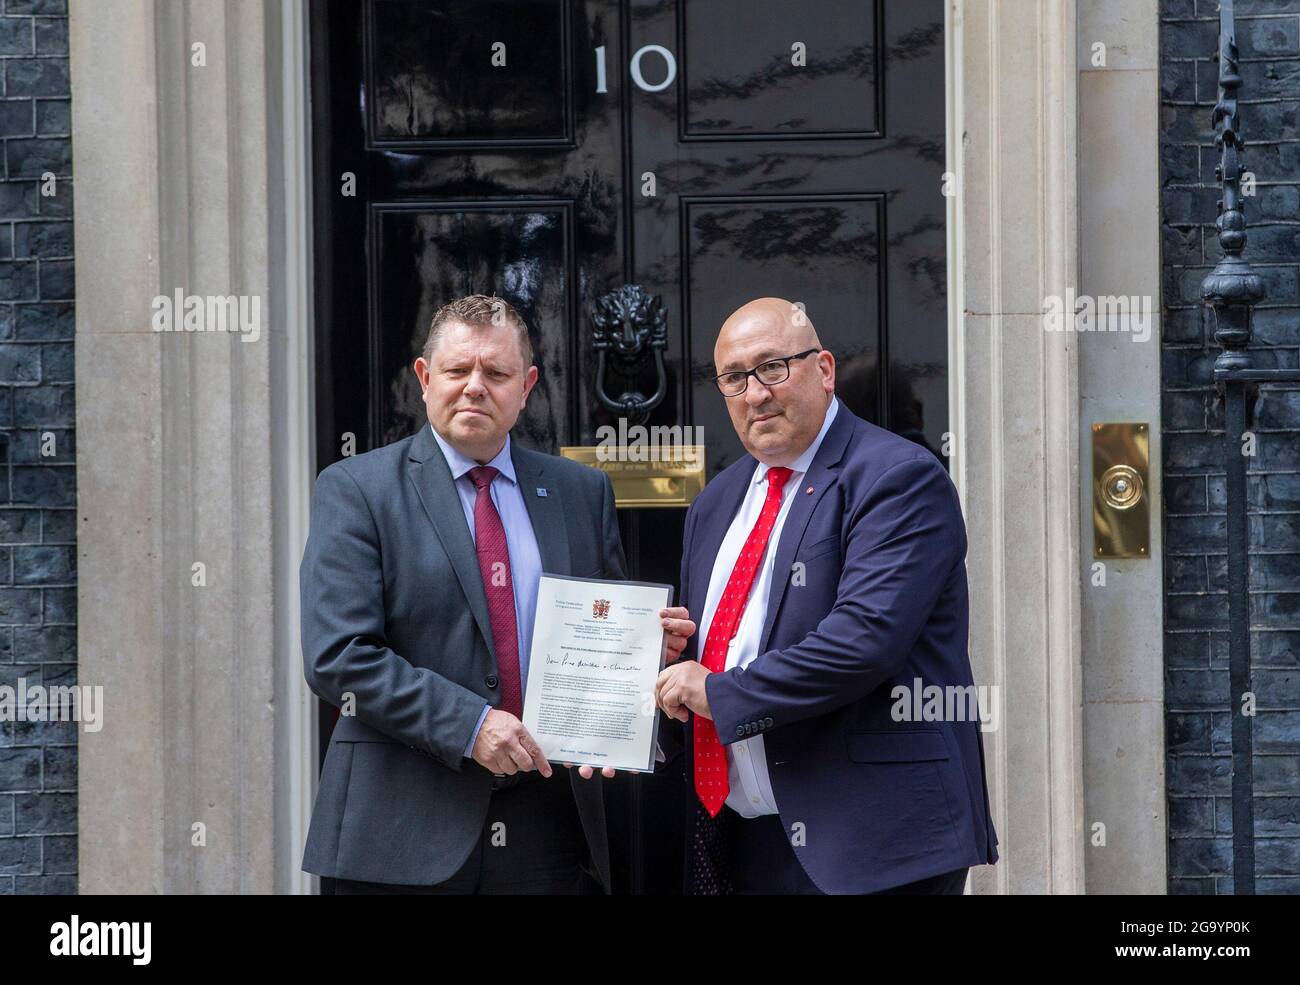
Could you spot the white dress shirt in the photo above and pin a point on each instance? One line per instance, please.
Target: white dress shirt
(751, 788)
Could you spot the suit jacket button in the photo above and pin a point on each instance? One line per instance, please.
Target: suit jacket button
(491, 680)
(767, 723)
(740, 730)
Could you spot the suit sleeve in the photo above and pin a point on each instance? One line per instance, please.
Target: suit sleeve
(614, 563)
(902, 543)
(344, 648)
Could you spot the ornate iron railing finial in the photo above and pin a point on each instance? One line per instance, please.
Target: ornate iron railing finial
(1233, 286)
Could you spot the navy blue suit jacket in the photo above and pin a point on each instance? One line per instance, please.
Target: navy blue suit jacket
(868, 592)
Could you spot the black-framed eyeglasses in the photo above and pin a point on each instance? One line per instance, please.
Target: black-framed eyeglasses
(768, 373)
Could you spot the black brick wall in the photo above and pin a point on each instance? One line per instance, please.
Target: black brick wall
(1197, 714)
(38, 636)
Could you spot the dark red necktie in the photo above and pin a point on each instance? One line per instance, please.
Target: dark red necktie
(494, 566)
(711, 782)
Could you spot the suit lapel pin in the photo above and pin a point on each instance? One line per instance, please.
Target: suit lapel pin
(808, 490)
(541, 491)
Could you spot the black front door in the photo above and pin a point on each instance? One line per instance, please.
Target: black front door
(552, 151)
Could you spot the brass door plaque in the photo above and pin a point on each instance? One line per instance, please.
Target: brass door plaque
(656, 477)
(1121, 504)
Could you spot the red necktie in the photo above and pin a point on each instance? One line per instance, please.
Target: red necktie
(494, 566)
(711, 783)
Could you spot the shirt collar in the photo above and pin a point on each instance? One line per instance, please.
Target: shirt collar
(804, 462)
(460, 464)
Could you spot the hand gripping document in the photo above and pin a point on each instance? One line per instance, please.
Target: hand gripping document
(598, 647)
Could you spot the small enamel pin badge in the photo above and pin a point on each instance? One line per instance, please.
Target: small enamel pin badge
(541, 491)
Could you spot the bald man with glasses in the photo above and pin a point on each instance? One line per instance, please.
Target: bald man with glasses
(826, 568)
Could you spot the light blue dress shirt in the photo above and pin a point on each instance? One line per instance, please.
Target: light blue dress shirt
(521, 542)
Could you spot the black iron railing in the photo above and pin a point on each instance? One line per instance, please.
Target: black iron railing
(1231, 291)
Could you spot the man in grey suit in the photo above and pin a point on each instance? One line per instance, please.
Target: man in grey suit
(419, 584)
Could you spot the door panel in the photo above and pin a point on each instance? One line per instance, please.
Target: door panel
(424, 254)
(433, 88)
(742, 83)
(823, 249)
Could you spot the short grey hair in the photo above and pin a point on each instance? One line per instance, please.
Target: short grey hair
(478, 310)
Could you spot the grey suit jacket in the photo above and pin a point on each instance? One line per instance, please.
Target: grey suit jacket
(394, 614)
